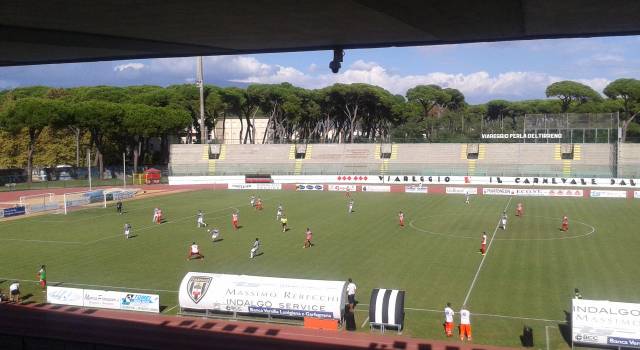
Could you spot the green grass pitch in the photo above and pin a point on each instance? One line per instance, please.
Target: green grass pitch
(527, 277)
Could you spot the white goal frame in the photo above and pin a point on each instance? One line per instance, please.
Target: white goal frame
(81, 203)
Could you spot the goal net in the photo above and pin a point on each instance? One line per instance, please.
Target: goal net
(82, 200)
(39, 202)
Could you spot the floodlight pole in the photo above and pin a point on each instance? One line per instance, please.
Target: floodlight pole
(200, 83)
(89, 166)
(124, 170)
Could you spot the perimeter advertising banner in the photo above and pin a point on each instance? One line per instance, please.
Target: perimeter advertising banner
(104, 299)
(309, 187)
(608, 194)
(376, 188)
(342, 188)
(262, 295)
(462, 190)
(254, 186)
(416, 189)
(532, 192)
(605, 323)
(636, 194)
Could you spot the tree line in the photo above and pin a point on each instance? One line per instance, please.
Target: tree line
(116, 120)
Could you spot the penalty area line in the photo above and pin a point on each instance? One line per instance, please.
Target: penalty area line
(475, 278)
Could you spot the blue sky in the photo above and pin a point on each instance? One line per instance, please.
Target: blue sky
(513, 70)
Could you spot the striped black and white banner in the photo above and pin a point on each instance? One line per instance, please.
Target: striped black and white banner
(387, 307)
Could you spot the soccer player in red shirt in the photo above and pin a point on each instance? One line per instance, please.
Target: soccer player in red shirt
(259, 204)
(483, 243)
(565, 223)
(307, 241)
(519, 209)
(159, 217)
(234, 220)
(401, 218)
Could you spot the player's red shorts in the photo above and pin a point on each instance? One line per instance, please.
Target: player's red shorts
(465, 331)
(448, 328)
(401, 222)
(43, 283)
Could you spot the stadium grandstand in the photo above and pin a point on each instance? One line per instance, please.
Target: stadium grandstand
(259, 244)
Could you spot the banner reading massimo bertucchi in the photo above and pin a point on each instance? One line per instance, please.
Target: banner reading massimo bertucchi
(264, 295)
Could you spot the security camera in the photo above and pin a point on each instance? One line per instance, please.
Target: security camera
(335, 65)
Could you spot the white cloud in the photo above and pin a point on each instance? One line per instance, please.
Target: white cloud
(128, 66)
(312, 68)
(477, 86)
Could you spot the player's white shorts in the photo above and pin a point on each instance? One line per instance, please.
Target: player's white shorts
(504, 222)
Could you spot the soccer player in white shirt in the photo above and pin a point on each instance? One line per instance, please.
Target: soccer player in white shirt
(279, 212)
(466, 197)
(448, 320)
(503, 221)
(127, 230)
(465, 323)
(351, 292)
(351, 206)
(254, 248)
(253, 201)
(215, 233)
(200, 221)
(194, 252)
(14, 292)
(155, 215)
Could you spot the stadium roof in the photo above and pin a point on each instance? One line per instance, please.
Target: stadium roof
(36, 31)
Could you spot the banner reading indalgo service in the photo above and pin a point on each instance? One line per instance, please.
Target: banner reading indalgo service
(605, 323)
(262, 295)
(104, 299)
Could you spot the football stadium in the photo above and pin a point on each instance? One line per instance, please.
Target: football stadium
(274, 215)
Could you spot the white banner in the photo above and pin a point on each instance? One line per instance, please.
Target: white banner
(416, 189)
(309, 187)
(532, 192)
(608, 194)
(421, 179)
(462, 190)
(262, 295)
(636, 194)
(65, 296)
(104, 299)
(376, 188)
(342, 188)
(606, 323)
(257, 186)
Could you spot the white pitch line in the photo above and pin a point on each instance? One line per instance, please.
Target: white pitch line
(473, 282)
(171, 308)
(38, 241)
(365, 322)
(546, 333)
(53, 283)
(480, 314)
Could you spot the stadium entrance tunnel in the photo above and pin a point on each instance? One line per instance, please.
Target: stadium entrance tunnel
(527, 228)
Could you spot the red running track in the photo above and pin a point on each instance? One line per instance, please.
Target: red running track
(152, 331)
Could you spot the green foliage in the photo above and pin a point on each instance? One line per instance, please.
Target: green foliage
(572, 92)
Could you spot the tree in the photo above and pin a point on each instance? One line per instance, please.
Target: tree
(33, 115)
(627, 90)
(570, 91)
(101, 119)
(428, 97)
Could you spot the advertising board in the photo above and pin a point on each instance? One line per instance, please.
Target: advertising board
(376, 188)
(14, 211)
(462, 190)
(342, 188)
(309, 187)
(262, 295)
(104, 299)
(532, 192)
(416, 189)
(254, 186)
(608, 194)
(601, 322)
(636, 194)
(65, 296)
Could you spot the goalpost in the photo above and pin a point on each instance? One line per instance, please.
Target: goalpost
(39, 202)
(82, 200)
